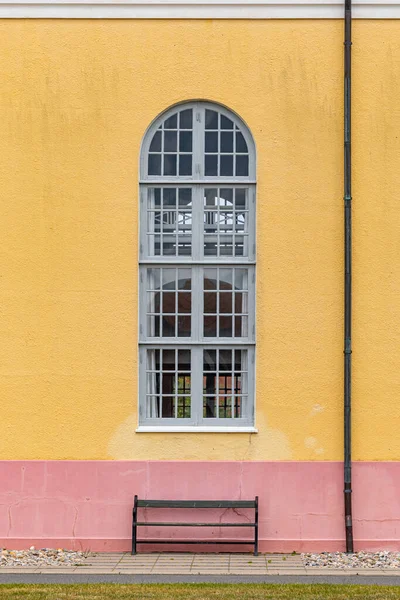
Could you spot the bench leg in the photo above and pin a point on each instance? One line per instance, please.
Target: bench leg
(134, 526)
(256, 528)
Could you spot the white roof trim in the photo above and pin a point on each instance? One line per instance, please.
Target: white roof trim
(196, 9)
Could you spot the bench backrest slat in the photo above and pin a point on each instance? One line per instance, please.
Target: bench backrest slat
(196, 503)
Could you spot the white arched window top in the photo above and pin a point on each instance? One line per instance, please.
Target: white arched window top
(198, 141)
(197, 271)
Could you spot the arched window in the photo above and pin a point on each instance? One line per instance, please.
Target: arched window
(197, 270)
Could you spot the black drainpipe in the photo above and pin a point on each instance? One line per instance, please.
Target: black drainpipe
(347, 279)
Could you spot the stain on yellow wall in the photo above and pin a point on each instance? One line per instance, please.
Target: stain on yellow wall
(76, 99)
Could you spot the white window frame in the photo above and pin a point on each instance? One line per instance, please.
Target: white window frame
(197, 262)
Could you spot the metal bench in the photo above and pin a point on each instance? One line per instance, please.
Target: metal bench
(234, 504)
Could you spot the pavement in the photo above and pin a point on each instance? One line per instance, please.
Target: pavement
(173, 568)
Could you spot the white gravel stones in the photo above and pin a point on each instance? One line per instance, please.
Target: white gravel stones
(358, 560)
(41, 557)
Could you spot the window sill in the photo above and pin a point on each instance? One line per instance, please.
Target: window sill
(171, 429)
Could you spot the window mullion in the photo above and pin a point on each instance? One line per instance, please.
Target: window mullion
(143, 199)
(142, 303)
(198, 140)
(252, 223)
(197, 224)
(197, 304)
(142, 383)
(252, 304)
(197, 385)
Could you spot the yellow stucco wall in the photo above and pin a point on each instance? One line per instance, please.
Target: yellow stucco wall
(76, 98)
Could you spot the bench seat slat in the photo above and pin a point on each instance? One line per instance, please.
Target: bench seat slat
(175, 524)
(200, 542)
(196, 504)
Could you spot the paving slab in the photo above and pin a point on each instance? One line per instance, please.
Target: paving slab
(185, 564)
(19, 570)
(55, 570)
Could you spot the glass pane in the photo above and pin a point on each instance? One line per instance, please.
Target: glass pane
(211, 119)
(168, 326)
(241, 361)
(225, 279)
(185, 141)
(153, 302)
(185, 196)
(210, 360)
(170, 164)
(209, 408)
(155, 145)
(241, 329)
(185, 164)
(153, 279)
(171, 122)
(168, 383)
(183, 407)
(241, 145)
(184, 245)
(238, 400)
(210, 197)
(211, 165)
(210, 326)
(225, 360)
(153, 326)
(184, 326)
(184, 360)
(226, 197)
(241, 279)
(226, 246)
(184, 279)
(226, 220)
(211, 141)
(242, 166)
(154, 164)
(240, 199)
(210, 279)
(184, 302)
(155, 195)
(169, 197)
(152, 407)
(169, 245)
(225, 327)
(226, 141)
(185, 119)
(168, 279)
(225, 302)
(241, 302)
(153, 359)
(210, 302)
(226, 165)
(168, 360)
(168, 407)
(168, 305)
(225, 407)
(226, 123)
(240, 247)
(170, 141)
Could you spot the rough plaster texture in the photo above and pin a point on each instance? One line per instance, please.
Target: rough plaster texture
(76, 99)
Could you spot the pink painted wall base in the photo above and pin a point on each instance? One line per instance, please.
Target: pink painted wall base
(88, 504)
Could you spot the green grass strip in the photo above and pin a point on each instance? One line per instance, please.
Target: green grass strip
(202, 591)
